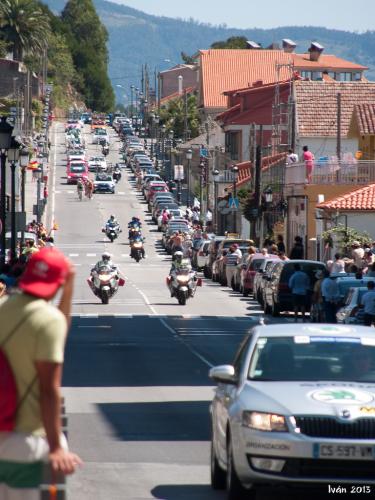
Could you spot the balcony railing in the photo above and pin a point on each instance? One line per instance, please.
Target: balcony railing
(337, 172)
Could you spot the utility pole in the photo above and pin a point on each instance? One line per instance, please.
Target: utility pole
(185, 116)
(143, 80)
(338, 146)
(159, 92)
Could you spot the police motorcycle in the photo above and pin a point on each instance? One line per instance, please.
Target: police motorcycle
(112, 229)
(104, 280)
(182, 280)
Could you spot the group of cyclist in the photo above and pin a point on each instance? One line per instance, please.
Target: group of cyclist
(86, 186)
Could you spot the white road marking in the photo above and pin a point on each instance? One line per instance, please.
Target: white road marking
(89, 315)
(191, 349)
(70, 192)
(147, 301)
(74, 255)
(121, 192)
(56, 192)
(53, 180)
(94, 326)
(91, 255)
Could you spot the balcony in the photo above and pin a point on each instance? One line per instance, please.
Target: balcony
(356, 173)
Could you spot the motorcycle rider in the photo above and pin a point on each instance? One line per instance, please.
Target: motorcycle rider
(178, 264)
(112, 221)
(135, 222)
(137, 238)
(105, 261)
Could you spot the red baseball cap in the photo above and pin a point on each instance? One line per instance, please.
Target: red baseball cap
(45, 272)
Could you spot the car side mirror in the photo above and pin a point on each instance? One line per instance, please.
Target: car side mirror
(224, 374)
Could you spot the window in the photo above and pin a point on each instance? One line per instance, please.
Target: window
(346, 77)
(317, 75)
(232, 144)
(306, 74)
(357, 77)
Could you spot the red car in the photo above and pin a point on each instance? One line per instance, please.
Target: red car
(156, 188)
(248, 274)
(77, 170)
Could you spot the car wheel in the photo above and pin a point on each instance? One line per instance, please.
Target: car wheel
(218, 475)
(234, 487)
(275, 311)
(260, 298)
(245, 292)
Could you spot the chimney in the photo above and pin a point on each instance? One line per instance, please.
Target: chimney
(288, 45)
(258, 83)
(273, 46)
(253, 45)
(315, 51)
(180, 84)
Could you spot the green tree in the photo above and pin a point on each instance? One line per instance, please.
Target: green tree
(23, 26)
(173, 116)
(234, 42)
(87, 40)
(187, 59)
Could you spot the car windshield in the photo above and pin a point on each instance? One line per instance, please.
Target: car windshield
(256, 264)
(311, 358)
(103, 178)
(240, 243)
(77, 168)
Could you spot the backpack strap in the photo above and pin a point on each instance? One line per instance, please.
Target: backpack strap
(7, 338)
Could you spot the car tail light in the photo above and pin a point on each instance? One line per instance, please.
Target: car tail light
(283, 287)
(353, 312)
(121, 282)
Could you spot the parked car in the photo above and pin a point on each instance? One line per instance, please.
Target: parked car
(247, 273)
(295, 408)
(260, 276)
(277, 295)
(200, 256)
(351, 312)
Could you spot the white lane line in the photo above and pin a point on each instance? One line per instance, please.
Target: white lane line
(208, 334)
(145, 298)
(121, 192)
(56, 192)
(125, 255)
(88, 315)
(73, 255)
(70, 192)
(191, 349)
(91, 255)
(119, 315)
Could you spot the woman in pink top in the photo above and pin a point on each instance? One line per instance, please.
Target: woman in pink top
(308, 158)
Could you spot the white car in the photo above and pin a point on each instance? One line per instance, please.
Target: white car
(97, 163)
(100, 135)
(351, 313)
(296, 407)
(176, 213)
(104, 183)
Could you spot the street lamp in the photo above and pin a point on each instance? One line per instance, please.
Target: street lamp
(202, 167)
(268, 194)
(132, 87)
(235, 177)
(24, 161)
(189, 156)
(13, 156)
(215, 175)
(5, 143)
(170, 135)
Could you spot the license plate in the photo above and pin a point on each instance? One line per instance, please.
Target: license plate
(344, 452)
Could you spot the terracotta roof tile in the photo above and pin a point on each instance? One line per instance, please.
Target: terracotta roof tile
(365, 114)
(316, 105)
(359, 199)
(224, 70)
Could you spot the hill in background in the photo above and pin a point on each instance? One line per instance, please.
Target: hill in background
(136, 38)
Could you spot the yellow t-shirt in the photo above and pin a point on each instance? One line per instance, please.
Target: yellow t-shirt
(41, 337)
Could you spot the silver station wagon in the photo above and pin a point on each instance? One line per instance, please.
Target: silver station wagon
(297, 406)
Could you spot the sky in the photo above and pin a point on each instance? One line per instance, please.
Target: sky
(349, 15)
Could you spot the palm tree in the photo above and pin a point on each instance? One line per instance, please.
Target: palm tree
(24, 26)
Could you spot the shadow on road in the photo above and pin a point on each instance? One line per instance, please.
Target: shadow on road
(164, 421)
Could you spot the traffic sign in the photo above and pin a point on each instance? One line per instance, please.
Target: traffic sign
(203, 152)
(233, 203)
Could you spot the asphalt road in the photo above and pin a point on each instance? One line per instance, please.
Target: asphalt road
(135, 376)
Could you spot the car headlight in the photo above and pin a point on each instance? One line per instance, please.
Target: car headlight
(264, 421)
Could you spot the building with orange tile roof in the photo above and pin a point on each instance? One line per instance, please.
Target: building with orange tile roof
(355, 209)
(223, 70)
(362, 128)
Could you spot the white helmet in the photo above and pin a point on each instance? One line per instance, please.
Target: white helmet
(106, 256)
(178, 254)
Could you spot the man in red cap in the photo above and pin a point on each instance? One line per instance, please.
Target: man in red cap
(32, 337)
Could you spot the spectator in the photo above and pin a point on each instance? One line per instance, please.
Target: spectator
(331, 297)
(280, 243)
(371, 271)
(373, 247)
(264, 252)
(308, 158)
(357, 254)
(3, 288)
(232, 259)
(282, 256)
(299, 283)
(368, 303)
(297, 251)
(292, 157)
(338, 265)
(368, 259)
(317, 298)
(36, 353)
